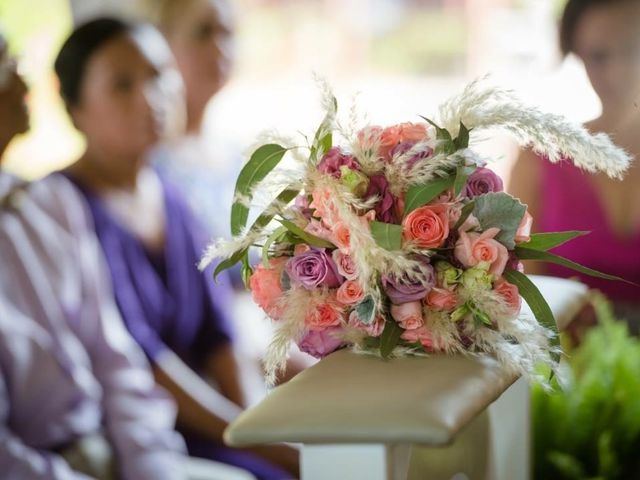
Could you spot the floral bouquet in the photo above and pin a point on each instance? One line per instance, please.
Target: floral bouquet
(400, 240)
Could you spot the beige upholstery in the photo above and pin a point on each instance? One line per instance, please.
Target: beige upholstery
(350, 398)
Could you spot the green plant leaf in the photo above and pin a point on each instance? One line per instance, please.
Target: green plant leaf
(464, 214)
(283, 198)
(229, 262)
(322, 145)
(366, 310)
(462, 173)
(547, 241)
(307, 237)
(500, 210)
(387, 235)
(446, 144)
(462, 140)
(263, 160)
(419, 195)
(389, 338)
(530, 254)
(277, 233)
(536, 302)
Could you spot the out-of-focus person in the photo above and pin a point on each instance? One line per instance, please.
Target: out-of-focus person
(112, 78)
(77, 398)
(605, 35)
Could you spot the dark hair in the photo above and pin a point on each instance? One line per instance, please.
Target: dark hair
(78, 49)
(573, 11)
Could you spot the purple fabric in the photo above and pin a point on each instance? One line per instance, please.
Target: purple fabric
(164, 300)
(570, 202)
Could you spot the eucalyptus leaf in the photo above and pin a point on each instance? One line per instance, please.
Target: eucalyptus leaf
(419, 195)
(464, 214)
(500, 210)
(277, 234)
(462, 174)
(547, 241)
(229, 262)
(263, 161)
(462, 140)
(536, 302)
(387, 235)
(307, 237)
(530, 254)
(390, 338)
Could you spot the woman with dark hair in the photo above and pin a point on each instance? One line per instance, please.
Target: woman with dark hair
(113, 80)
(605, 35)
(77, 399)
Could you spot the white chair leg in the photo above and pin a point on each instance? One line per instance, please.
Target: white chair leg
(509, 417)
(355, 462)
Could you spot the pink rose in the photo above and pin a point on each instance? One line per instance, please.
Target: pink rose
(265, 286)
(316, 228)
(523, 234)
(510, 294)
(324, 315)
(394, 135)
(341, 236)
(323, 205)
(455, 211)
(374, 329)
(350, 293)
(408, 315)
(422, 335)
(345, 264)
(428, 226)
(441, 299)
(319, 344)
(474, 248)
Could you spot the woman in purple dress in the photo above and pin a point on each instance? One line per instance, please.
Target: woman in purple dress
(111, 78)
(605, 35)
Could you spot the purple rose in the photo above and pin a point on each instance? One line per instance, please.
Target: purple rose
(404, 147)
(334, 159)
(385, 208)
(483, 180)
(313, 269)
(321, 343)
(402, 290)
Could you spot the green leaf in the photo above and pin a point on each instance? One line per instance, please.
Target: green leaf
(547, 241)
(307, 237)
(246, 271)
(322, 145)
(500, 210)
(366, 310)
(283, 198)
(389, 338)
(446, 144)
(387, 235)
(419, 195)
(530, 254)
(464, 214)
(536, 302)
(277, 233)
(263, 160)
(462, 173)
(229, 262)
(462, 141)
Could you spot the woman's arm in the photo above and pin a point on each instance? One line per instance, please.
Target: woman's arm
(221, 367)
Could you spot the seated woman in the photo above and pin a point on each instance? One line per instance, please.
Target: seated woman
(604, 34)
(77, 398)
(109, 75)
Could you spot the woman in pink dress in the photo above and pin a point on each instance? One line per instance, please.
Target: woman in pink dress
(605, 35)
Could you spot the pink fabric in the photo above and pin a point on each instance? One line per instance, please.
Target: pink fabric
(569, 201)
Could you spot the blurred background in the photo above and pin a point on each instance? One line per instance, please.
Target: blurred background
(398, 58)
